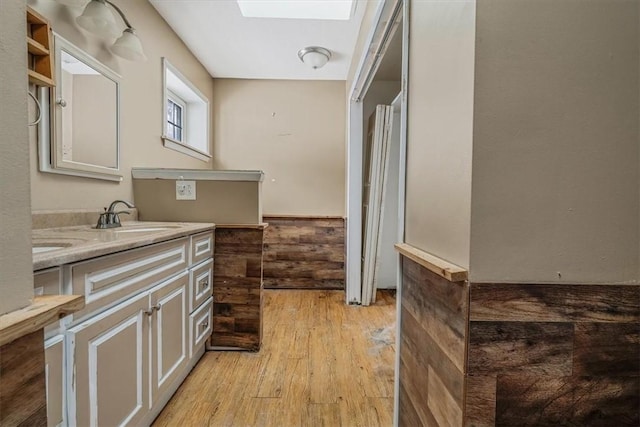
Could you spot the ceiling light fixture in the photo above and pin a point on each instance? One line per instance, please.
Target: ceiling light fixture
(98, 19)
(314, 56)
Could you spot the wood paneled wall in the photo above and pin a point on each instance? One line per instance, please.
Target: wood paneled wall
(23, 400)
(304, 253)
(517, 354)
(432, 348)
(549, 355)
(237, 288)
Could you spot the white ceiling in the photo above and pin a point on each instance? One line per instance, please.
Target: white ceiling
(230, 45)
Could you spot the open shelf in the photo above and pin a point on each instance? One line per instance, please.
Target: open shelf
(40, 66)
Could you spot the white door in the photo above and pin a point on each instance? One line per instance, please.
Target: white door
(386, 272)
(377, 177)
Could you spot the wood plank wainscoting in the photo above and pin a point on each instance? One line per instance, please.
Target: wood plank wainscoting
(433, 336)
(554, 354)
(482, 354)
(304, 252)
(237, 287)
(23, 398)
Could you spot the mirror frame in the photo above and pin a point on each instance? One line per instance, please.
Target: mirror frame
(50, 157)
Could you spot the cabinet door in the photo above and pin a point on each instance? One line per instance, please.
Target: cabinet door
(108, 368)
(54, 359)
(169, 331)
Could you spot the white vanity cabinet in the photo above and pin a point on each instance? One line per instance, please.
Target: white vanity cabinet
(110, 353)
(144, 326)
(108, 366)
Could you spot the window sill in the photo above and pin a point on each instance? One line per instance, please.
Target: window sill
(185, 149)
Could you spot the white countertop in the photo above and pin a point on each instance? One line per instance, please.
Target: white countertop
(83, 242)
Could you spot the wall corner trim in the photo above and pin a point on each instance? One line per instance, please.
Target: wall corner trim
(442, 268)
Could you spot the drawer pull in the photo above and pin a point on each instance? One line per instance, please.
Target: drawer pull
(153, 308)
(205, 325)
(204, 284)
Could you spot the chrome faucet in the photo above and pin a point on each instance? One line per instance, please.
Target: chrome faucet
(109, 218)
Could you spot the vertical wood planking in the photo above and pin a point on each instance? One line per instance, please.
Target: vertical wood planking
(304, 253)
(237, 288)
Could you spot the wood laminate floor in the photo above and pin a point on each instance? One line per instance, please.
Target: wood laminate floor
(322, 363)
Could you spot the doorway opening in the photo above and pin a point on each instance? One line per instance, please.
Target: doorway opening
(381, 79)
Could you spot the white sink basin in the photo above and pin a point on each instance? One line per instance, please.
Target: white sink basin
(141, 230)
(40, 249)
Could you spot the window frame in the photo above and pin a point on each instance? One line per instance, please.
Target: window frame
(196, 115)
(176, 100)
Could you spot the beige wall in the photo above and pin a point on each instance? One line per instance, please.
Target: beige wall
(220, 202)
(440, 125)
(16, 279)
(555, 166)
(292, 130)
(141, 106)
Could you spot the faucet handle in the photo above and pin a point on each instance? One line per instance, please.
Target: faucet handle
(103, 220)
(116, 218)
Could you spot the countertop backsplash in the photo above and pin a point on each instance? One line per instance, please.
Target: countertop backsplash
(68, 218)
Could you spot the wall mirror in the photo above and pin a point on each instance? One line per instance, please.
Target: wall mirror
(79, 133)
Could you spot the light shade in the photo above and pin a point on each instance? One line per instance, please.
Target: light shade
(98, 19)
(314, 56)
(129, 46)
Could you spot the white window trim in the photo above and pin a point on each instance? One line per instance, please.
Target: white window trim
(183, 146)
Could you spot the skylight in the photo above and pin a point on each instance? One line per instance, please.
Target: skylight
(297, 9)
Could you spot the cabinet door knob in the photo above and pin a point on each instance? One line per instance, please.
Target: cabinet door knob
(153, 308)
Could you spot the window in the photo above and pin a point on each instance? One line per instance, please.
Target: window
(185, 116)
(175, 117)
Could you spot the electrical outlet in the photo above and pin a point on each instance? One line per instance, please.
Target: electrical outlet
(185, 190)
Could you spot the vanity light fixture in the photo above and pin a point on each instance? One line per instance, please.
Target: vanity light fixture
(314, 56)
(98, 19)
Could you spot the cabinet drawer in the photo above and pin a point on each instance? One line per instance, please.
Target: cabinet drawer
(200, 323)
(48, 282)
(201, 284)
(201, 247)
(108, 279)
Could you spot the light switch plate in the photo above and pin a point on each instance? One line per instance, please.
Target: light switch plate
(185, 190)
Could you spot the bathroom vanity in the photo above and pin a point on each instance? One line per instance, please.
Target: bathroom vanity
(148, 293)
